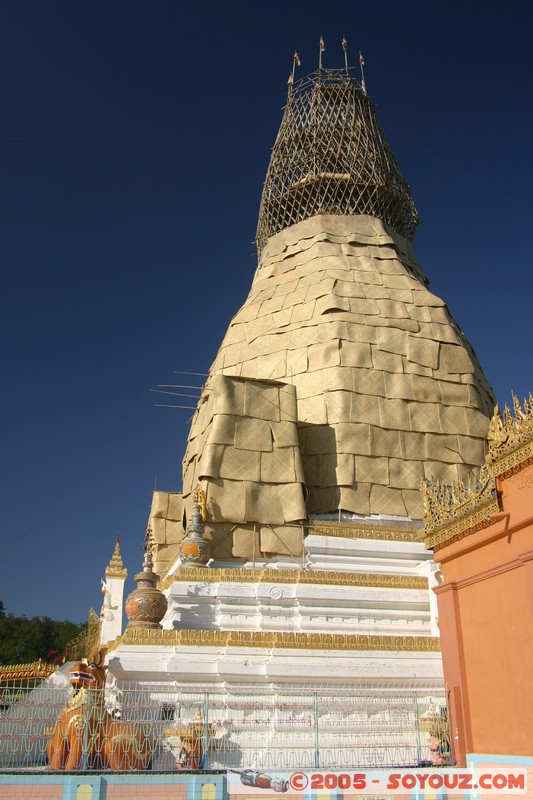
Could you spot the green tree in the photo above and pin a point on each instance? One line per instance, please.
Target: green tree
(24, 640)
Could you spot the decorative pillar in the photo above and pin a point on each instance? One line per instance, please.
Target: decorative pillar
(431, 571)
(113, 592)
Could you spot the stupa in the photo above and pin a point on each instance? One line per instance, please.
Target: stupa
(293, 557)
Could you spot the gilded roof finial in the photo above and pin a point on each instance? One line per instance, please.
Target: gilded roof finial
(201, 501)
(508, 432)
(149, 543)
(115, 568)
(194, 549)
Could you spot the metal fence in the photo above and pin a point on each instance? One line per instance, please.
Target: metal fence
(335, 728)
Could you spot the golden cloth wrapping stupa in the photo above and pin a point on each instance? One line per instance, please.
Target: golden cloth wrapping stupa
(342, 381)
(292, 562)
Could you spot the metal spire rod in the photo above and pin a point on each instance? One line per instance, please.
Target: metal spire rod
(175, 394)
(362, 64)
(321, 49)
(345, 48)
(295, 63)
(178, 386)
(162, 405)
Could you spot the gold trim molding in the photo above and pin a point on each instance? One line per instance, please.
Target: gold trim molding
(288, 640)
(513, 462)
(463, 526)
(362, 530)
(507, 434)
(455, 510)
(444, 502)
(37, 670)
(294, 576)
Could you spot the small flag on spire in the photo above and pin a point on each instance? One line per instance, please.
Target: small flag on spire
(362, 64)
(295, 63)
(320, 51)
(345, 48)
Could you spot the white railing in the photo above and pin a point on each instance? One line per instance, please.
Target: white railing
(335, 728)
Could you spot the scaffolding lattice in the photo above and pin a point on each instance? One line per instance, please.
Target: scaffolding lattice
(331, 157)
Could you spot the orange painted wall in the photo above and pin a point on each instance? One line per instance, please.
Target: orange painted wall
(486, 622)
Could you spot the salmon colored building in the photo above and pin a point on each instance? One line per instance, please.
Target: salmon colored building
(482, 536)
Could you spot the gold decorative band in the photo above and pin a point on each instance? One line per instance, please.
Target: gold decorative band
(513, 462)
(362, 530)
(459, 528)
(35, 670)
(289, 640)
(455, 510)
(231, 575)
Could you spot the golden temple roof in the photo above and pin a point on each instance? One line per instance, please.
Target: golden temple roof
(37, 670)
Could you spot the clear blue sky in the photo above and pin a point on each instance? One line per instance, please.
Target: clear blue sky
(134, 140)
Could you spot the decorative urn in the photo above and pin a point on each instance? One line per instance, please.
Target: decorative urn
(146, 605)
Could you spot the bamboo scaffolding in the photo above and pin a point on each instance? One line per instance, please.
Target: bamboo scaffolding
(331, 157)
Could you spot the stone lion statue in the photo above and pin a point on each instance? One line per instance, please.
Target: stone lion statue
(86, 736)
